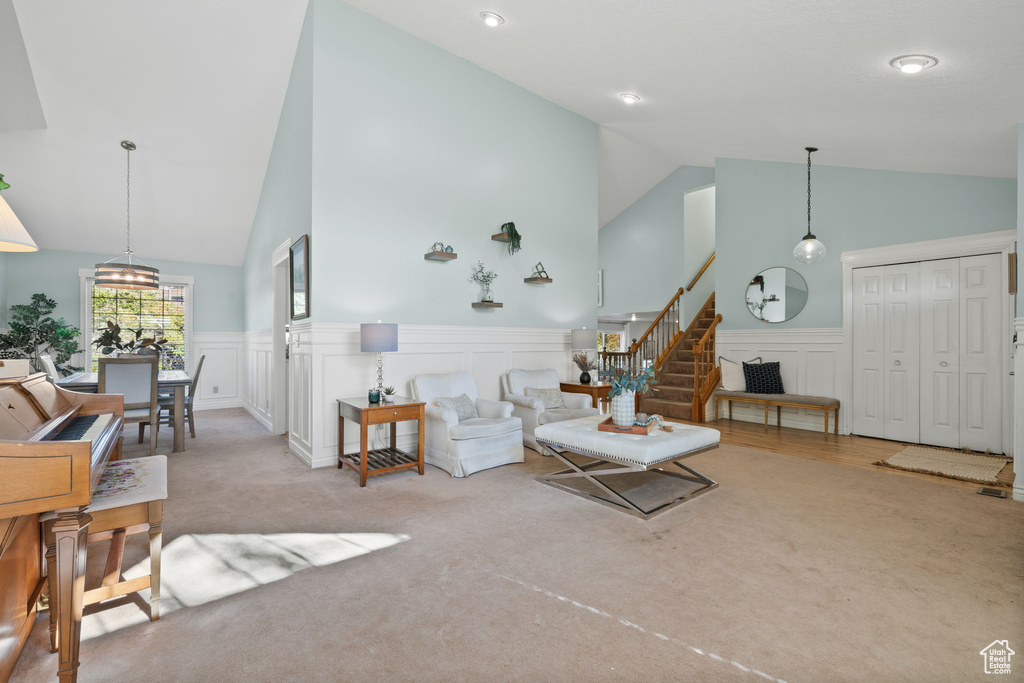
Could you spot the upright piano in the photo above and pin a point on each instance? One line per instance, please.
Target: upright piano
(54, 445)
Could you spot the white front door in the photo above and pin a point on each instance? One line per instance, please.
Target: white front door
(981, 410)
(940, 353)
(902, 378)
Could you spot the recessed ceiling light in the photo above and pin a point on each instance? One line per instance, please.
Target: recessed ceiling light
(912, 64)
(629, 98)
(492, 19)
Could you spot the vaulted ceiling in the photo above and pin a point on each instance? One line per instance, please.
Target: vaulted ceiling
(199, 85)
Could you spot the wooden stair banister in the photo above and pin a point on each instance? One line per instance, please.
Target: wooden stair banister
(706, 374)
(653, 346)
(707, 264)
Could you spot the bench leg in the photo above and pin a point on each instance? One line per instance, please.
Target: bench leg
(826, 411)
(778, 416)
(836, 418)
(730, 410)
(766, 415)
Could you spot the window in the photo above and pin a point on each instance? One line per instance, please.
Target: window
(165, 313)
(609, 341)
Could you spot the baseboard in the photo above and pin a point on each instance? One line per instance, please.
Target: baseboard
(304, 455)
(217, 404)
(262, 418)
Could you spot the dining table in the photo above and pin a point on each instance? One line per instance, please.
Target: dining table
(167, 381)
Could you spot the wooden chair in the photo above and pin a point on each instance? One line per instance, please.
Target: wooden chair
(129, 499)
(136, 378)
(167, 401)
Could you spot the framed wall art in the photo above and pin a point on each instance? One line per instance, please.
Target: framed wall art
(298, 267)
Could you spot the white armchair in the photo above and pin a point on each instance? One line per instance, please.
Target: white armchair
(532, 411)
(462, 448)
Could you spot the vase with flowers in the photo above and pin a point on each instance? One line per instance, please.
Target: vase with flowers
(484, 277)
(624, 386)
(585, 365)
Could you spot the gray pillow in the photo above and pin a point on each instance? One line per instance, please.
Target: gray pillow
(463, 406)
(552, 397)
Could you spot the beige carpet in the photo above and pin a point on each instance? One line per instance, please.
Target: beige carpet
(797, 569)
(982, 469)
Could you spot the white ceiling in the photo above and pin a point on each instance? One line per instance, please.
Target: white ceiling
(199, 85)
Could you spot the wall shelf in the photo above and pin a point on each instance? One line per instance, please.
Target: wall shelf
(443, 256)
(486, 304)
(501, 237)
(538, 280)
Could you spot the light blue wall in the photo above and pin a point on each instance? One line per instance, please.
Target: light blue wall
(762, 212)
(641, 249)
(285, 206)
(217, 305)
(413, 145)
(3, 289)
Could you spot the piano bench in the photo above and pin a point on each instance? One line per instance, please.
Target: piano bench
(129, 499)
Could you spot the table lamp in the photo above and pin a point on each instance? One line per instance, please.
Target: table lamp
(378, 338)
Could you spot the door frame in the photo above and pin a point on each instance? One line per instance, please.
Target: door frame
(999, 242)
(279, 316)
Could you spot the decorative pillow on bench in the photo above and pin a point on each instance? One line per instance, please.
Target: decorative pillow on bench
(763, 378)
(462, 404)
(552, 398)
(732, 374)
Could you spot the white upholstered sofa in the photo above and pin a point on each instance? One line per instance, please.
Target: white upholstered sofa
(462, 448)
(532, 411)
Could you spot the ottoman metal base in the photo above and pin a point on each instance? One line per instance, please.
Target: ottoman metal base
(618, 500)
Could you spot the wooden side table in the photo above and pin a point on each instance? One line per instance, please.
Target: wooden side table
(381, 460)
(596, 390)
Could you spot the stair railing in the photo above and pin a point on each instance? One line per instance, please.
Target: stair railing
(706, 374)
(611, 362)
(707, 264)
(653, 347)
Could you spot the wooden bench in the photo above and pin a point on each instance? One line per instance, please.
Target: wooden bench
(780, 401)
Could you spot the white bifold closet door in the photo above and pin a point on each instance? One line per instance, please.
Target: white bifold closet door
(926, 345)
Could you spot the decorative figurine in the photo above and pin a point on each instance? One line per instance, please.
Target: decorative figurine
(538, 271)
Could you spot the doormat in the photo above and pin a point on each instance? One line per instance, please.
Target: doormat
(981, 469)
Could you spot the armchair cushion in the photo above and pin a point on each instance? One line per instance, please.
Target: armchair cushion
(477, 427)
(528, 403)
(551, 397)
(462, 404)
(446, 415)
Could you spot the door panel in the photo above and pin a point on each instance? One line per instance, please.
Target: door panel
(981, 387)
(868, 352)
(902, 353)
(940, 353)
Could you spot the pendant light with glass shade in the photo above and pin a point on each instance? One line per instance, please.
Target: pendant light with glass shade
(126, 270)
(809, 249)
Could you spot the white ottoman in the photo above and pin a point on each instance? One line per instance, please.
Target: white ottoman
(635, 453)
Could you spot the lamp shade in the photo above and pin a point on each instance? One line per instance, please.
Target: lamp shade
(378, 337)
(13, 235)
(584, 339)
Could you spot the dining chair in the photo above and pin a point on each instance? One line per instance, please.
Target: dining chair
(135, 377)
(167, 401)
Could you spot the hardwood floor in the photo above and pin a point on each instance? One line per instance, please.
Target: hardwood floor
(854, 451)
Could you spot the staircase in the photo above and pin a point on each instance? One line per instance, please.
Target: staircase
(674, 397)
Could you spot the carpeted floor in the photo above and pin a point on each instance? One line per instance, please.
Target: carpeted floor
(792, 569)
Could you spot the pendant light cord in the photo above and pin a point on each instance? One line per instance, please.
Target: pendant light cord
(808, 191)
(128, 184)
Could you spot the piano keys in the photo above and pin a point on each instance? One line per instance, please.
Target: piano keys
(54, 446)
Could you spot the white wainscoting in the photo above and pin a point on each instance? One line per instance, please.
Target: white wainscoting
(256, 385)
(326, 364)
(221, 382)
(811, 362)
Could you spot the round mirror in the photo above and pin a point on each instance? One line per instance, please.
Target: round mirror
(776, 295)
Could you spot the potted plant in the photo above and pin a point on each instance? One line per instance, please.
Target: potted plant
(514, 238)
(33, 332)
(485, 278)
(110, 341)
(585, 365)
(389, 394)
(624, 386)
